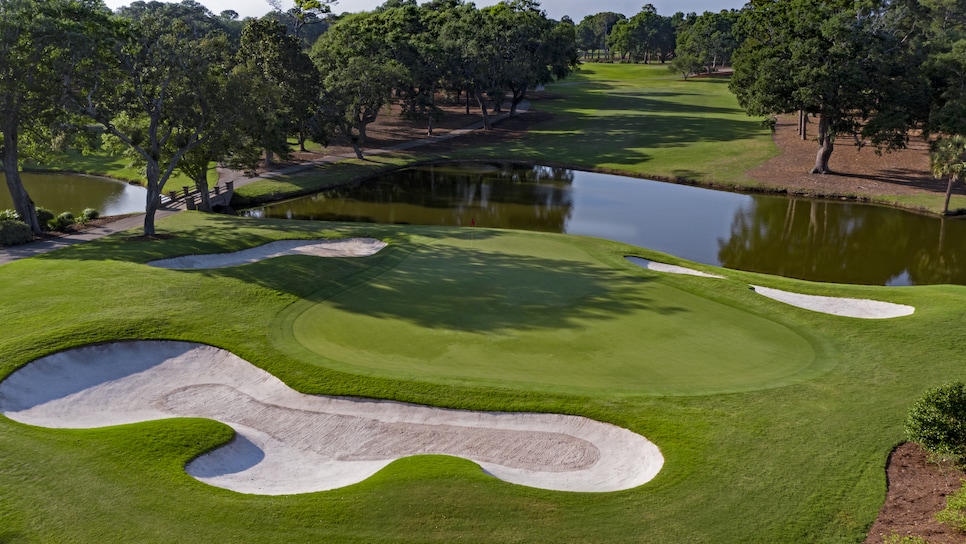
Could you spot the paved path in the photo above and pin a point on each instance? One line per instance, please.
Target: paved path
(10, 254)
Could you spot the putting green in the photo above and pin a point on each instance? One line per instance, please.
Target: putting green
(537, 312)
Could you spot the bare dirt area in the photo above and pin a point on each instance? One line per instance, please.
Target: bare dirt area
(917, 490)
(859, 171)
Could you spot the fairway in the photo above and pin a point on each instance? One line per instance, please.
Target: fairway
(537, 312)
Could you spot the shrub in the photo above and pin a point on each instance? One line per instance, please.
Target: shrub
(44, 216)
(89, 214)
(954, 515)
(13, 233)
(61, 222)
(937, 421)
(9, 215)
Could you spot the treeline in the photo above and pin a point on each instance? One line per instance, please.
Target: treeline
(176, 87)
(876, 71)
(695, 42)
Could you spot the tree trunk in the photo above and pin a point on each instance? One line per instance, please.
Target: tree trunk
(825, 147)
(432, 110)
(517, 98)
(11, 169)
(153, 171)
(303, 135)
(202, 187)
(357, 148)
(486, 115)
(949, 193)
(269, 158)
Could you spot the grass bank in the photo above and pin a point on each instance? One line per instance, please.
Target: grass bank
(638, 120)
(794, 458)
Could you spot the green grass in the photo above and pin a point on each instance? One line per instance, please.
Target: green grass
(640, 120)
(531, 311)
(113, 166)
(645, 121)
(779, 434)
(792, 458)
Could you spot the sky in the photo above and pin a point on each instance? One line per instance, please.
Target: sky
(555, 9)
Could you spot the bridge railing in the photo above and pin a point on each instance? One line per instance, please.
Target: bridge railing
(191, 197)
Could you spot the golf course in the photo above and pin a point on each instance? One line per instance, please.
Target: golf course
(773, 422)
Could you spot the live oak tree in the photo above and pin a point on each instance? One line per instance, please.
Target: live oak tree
(530, 49)
(166, 78)
(643, 36)
(709, 38)
(593, 31)
(358, 77)
(283, 85)
(301, 14)
(42, 44)
(849, 63)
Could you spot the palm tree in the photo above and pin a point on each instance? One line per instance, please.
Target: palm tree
(947, 157)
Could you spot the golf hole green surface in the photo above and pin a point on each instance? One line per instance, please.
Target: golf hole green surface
(537, 312)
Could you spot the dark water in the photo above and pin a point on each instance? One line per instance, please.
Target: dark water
(808, 239)
(73, 193)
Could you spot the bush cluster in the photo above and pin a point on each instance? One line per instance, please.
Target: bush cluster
(937, 421)
(44, 217)
(61, 222)
(89, 214)
(13, 232)
(9, 215)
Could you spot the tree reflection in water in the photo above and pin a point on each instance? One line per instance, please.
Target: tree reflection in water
(844, 243)
(828, 241)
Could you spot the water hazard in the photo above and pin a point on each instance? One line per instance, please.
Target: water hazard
(73, 193)
(808, 239)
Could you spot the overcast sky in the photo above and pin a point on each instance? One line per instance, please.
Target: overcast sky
(555, 9)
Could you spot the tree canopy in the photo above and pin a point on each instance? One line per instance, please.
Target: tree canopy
(43, 43)
(850, 64)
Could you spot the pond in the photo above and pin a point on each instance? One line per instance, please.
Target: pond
(828, 241)
(71, 192)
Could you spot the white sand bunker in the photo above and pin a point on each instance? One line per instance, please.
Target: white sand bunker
(846, 307)
(289, 442)
(351, 247)
(670, 268)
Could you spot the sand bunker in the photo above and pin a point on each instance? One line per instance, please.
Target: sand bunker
(846, 307)
(289, 442)
(670, 268)
(352, 247)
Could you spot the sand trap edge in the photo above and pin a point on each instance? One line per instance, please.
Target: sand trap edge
(132, 381)
(845, 307)
(349, 247)
(668, 268)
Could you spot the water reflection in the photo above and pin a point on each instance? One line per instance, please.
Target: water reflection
(815, 240)
(68, 192)
(847, 243)
(532, 198)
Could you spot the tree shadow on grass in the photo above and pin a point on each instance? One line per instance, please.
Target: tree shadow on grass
(216, 234)
(483, 289)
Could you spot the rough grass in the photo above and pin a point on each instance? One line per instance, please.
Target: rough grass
(801, 462)
(644, 120)
(640, 120)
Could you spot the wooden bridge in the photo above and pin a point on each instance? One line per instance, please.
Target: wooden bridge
(190, 197)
